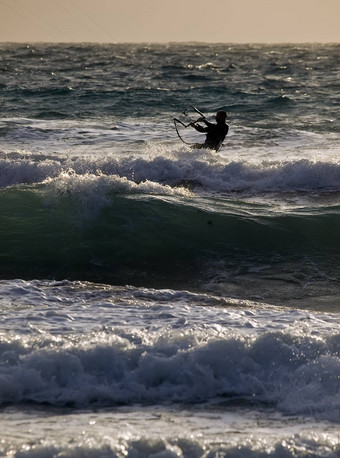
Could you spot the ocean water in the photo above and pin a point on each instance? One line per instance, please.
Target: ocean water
(159, 300)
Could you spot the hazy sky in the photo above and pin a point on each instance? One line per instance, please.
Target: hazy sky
(170, 20)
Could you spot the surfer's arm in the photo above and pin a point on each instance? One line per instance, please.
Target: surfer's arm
(198, 127)
(207, 123)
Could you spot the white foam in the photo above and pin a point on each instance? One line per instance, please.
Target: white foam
(173, 433)
(164, 347)
(300, 376)
(197, 169)
(22, 170)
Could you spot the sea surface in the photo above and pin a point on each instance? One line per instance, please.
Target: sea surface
(159, 300)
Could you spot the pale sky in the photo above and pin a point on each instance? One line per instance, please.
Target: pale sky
(238, 21)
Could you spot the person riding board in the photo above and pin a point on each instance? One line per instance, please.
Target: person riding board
(216, 133)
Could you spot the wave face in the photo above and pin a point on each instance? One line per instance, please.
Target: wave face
(80, 226)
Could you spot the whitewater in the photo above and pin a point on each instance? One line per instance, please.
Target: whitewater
(159, 300)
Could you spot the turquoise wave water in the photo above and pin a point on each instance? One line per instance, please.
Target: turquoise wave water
(119, 237)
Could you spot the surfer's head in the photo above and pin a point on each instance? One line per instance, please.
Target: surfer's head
(221, 116)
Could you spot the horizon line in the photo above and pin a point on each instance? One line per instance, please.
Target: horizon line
(172, 42)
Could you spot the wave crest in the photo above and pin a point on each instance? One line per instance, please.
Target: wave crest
(279, 368)
(208, 173)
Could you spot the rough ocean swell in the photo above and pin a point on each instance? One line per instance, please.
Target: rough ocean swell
(158, 300)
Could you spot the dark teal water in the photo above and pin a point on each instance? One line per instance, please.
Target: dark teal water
(256, 84)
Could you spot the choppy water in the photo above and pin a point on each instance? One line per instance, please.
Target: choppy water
(158, 300)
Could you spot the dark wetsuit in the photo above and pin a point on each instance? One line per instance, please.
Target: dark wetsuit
(216, 133)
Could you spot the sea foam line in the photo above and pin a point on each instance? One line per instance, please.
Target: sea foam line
(212, 174)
